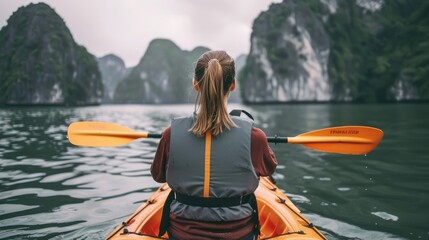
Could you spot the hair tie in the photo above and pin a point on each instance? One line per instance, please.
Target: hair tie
(213, 60)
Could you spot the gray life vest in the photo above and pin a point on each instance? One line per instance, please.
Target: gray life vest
(219, 167)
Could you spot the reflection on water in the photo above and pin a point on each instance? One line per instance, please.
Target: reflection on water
(53, 190)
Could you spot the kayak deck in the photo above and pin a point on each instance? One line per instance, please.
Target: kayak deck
(278, 216)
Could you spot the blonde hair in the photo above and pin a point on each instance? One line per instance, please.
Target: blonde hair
(214, 74)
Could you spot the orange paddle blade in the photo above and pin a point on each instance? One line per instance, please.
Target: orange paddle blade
(101, 134)
(345, 139)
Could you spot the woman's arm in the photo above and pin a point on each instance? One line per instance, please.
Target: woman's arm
(160, 162)
(263, 158)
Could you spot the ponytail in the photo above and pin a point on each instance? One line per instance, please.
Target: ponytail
(214, 73)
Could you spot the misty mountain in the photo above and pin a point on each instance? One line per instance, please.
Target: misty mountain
(113, 71)
(163, 75)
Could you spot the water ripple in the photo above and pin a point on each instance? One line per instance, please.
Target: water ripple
(385, 216)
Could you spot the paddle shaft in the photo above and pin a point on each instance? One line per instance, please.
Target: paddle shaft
(136, 135)
(295, 140)
(159, 135)
(276, 139)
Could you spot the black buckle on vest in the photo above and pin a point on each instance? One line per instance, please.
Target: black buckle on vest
(212, 202)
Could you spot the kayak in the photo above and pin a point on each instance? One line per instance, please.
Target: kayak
(278, 216)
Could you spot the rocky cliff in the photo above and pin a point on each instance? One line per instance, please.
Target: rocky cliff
(163, 75)
(338, 50)
(288, 57)
(113, 71)
(42, 64)
(235, 96)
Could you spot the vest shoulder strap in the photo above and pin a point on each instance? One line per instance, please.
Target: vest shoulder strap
(237, 112)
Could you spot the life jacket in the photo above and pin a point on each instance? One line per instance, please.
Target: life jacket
(212, 177)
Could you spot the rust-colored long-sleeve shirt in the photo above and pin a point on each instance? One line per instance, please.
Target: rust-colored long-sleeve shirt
(264, 163)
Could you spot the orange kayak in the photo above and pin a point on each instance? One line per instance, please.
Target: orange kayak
(278, 216)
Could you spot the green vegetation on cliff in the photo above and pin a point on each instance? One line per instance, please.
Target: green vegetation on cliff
(372, 50)
(378, 50)
(41, 63)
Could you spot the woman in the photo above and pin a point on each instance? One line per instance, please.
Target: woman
(212, 161)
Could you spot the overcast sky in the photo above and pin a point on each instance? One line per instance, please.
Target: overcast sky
(125, 27)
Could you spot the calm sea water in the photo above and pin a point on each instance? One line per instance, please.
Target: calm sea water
(53, 190)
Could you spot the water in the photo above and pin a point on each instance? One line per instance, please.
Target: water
(53, 190)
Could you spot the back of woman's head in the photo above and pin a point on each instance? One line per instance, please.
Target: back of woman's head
(214, 75)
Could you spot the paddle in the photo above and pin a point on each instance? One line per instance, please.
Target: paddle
(344, 140)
